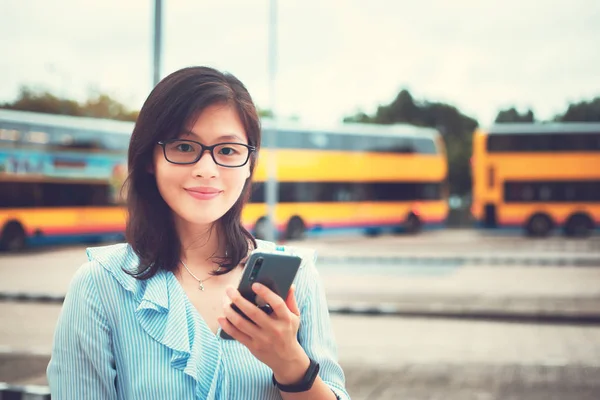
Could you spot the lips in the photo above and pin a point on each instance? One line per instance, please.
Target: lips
(203, 193)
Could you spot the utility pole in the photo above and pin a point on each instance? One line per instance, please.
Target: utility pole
(271, 139)
(157, 41)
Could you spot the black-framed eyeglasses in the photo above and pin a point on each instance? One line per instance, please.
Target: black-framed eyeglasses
(229, 154)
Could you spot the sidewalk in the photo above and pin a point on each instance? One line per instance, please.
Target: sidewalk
(565, 294)
(379, 286)
(462, 247)
(428, 381)
(401, 358)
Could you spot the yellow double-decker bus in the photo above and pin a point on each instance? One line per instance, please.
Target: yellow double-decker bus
(353, 177)
(60, 179)
(540, 177)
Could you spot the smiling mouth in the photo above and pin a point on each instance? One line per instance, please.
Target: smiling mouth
(204, 194)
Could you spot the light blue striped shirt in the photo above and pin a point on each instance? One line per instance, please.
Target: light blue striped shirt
(121, 338)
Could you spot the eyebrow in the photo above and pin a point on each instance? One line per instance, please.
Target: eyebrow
(223, 137)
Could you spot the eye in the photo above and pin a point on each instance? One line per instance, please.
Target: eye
(184, 147)
(227, 151)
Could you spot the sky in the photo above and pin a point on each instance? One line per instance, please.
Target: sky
(333, 57)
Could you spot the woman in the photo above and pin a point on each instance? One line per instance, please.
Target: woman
(142, 320)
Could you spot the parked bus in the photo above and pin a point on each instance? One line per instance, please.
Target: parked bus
(60, 179)
(539, 177)
(353, 177)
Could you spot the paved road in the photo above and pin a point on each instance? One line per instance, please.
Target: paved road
(476, 382)
(389, 358)
(396, 358)
(452, 288)
(451, 242)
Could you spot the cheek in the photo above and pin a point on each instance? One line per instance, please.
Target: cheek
(167, 177)
(237, 180)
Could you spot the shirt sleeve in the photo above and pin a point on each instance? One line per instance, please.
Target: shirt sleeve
(82, 364)
(316, 333)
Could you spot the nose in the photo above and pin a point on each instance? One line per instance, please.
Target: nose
(205, 167)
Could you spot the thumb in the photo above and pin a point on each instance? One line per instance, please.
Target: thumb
(291, 301)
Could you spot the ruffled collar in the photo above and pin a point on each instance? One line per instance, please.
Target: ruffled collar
(164, 312)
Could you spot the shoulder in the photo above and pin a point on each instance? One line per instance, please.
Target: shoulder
(107, 265)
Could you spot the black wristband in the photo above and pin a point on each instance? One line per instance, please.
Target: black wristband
(305, 384)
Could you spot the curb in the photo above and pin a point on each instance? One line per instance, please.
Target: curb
(31, 298)
(463, 261)
(27, 392)
(472, 315)
(391, 310)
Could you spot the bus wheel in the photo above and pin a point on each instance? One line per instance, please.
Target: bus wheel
(261, 228)
(539, 225)
(13, 237)
(579, 225)
(296, 230)
(412, 224)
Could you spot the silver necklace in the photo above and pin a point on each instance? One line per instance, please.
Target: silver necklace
(200, 281)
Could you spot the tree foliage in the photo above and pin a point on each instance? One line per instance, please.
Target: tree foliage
(98, 106)
(584, 111)
(512, 115)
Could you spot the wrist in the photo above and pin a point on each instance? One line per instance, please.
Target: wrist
(294, 370)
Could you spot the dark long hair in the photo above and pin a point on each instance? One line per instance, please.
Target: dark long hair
(169, 108)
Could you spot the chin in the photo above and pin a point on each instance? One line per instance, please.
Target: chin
(201, 220)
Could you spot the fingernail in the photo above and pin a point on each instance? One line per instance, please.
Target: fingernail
(229, 291)
(257, 286)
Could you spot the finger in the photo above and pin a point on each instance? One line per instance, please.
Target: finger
(251, 310)
(291, 303)
(280, 309)
(233, 331)
(242, 324)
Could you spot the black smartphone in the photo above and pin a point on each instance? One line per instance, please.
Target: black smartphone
(276, 271)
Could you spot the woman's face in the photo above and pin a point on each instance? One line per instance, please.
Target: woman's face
(201, 193)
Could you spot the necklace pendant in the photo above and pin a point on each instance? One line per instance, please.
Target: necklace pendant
(201, 286)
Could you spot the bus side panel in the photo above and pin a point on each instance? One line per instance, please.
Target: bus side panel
(69, 224)
(351, 215)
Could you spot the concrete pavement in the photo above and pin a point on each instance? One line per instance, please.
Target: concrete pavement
(502, 292)
(394, 358)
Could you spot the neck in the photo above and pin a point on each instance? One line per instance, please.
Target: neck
(199, 244)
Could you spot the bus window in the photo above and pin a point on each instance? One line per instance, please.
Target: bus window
(37, 137)
(552, 191)
(9, 135)
(19, 194)
(424, 146)
(551, 142)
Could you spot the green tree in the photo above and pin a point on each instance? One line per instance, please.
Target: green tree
(103, 106)
(265, 113)
(512, 115)
(584, 111)
(43, 102)
(98, 106)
